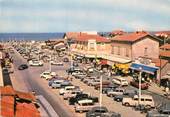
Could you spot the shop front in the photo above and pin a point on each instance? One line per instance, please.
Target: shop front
(149, 73)
(121, 68)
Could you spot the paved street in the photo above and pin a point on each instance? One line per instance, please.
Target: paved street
(29, 80)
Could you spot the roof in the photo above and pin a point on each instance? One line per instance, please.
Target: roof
(162, 33)
(71, 35)
(85, 37)
(7, 90)
(131, 37)
(12, 107)
(26, 96)
(165, 53)
(117, 32)
(165, 46)
(159, 62)
(27, 110)
(7, 106)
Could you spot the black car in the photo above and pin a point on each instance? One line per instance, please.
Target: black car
(109, 87)
(162, 111)
(75, 64)
(119, 98)
(22, 67)
(78, 97)
(73, 69)
(65, 60)
(101, 112)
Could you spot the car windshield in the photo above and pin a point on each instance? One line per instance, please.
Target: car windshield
(100, 111)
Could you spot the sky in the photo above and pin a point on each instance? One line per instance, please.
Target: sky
(83, 15)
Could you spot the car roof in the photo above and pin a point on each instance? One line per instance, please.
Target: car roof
(144, 96)
(85, 101)
(100, 108)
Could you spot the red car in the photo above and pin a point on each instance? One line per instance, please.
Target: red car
(144, 85)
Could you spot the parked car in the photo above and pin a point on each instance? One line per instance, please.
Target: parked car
(56, 63)
(77, 72)
(81, 96)
(144, 85)
(146, 100)
(162, 111)
(75, 64)
(57, 83)
(104, 84)
(130, 94)
(120, 81)
(80, 75)
(67, 89)
(22, 67)
(102, 111)
(47, 75)
(93, 82)
(109, 87)
(70, 94)
(73, 69)
(114, 92)
(84, 105)
(35, 63)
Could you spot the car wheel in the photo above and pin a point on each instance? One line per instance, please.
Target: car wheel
(148, 106)
(118, 100)
(127, 104)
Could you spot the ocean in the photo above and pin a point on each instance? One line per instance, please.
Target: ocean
(31, 36)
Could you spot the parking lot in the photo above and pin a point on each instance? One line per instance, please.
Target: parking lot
(31, 78)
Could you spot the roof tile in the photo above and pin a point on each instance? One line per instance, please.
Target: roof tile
(130, 37)
(86, 37)
(27, 96)
(7, 90)
(165, 46)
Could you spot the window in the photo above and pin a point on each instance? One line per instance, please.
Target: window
(136, 99)
(118, 50)
(112, 49)
(127, 52)
(91, 46)
(146, 51)
(149, 100)
(142, 99)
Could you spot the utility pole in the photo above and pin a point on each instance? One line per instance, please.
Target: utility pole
(50, 63)
(140, 78)
(101, 80)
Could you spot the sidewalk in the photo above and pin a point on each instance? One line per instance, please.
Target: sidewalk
(1, 77)
(154, 88)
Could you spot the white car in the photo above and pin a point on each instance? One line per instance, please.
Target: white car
(120, 81)
(56, 63)
(66, 89)
(47, 75)
(35, 63)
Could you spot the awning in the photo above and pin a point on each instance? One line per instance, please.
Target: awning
(144, 68)
(103, 62)
(165, 77)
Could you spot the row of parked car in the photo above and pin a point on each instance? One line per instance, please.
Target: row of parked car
(35, 56)
(116, 89)
(82, 101)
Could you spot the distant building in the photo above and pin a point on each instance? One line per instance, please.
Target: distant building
(90, 46)
(133, 45)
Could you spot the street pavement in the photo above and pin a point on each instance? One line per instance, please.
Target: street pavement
(29, 80)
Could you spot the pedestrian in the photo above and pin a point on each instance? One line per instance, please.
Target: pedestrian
(167, 90)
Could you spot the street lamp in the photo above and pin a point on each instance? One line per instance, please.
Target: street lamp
(50, 63)
(101, 80)
(140, 78)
